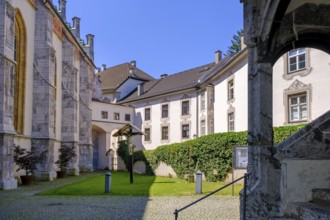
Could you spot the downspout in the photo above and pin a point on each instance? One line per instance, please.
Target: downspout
(197, 114)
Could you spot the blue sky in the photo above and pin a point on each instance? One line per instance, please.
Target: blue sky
(163, 36)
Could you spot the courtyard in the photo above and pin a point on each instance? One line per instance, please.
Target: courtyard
(27, 203)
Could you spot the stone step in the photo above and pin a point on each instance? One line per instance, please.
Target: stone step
(307, 211)
(321, 196)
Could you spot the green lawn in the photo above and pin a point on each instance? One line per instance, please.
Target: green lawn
(142, 186)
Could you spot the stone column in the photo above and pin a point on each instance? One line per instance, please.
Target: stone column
(44, 100)
(7, 85)
(85, 118)
(263, 192)
(70, 101)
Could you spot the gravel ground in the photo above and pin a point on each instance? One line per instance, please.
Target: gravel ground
(23, 203)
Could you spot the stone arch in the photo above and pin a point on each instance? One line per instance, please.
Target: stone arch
(20, 75)
(272, 28)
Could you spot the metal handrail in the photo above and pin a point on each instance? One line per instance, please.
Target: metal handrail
(176, 213)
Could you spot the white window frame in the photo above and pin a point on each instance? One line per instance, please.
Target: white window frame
(203, 100)
(167, 111)
(231, 93)
(299, 105)
(183, 112)
(147, 136)
(295, 55)
(231, 121)
(164, 137)
(185, 134)
(203, 127)
(145, 114)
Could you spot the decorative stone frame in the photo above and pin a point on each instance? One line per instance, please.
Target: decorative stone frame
(144, 113)
(205, 100)
(165, 102)
(150, 136)
(231, 110)
(190, 132)
(303, 72)
(297, 88)
(168, 135)
(229, 79)
(183, 99)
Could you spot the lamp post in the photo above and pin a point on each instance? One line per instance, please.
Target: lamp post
(131, 153)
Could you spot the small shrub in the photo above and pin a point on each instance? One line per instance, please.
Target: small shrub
(27, 160)
(66, 154)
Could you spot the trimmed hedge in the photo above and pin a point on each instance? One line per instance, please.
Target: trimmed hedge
(212, 154)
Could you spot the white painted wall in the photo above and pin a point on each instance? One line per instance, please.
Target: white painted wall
(319, 78)
(221, 105)
(174, 121)
(98, 107)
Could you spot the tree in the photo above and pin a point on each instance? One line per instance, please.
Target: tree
(235, 43)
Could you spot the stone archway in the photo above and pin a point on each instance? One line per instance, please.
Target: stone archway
(272, 28)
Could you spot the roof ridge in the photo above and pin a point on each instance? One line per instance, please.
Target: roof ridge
(191, 69)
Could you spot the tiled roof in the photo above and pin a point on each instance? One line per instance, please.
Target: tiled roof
(172, 83)
(229, 58)
(114, 76)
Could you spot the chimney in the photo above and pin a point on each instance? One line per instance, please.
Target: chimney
(89, 47)
(104, 66)
(76, 27)
(163, 76)
(218, 56)
(133, 63)
(243, 45)
(62, 10)
(140, 89)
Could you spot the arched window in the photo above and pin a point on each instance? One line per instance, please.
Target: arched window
(20, 57)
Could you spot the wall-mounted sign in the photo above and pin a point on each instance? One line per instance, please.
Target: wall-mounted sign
(240, 157)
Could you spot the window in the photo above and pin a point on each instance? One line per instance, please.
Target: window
(211, 98)
(147, 114)
(185, 108)
(211, 126)
(297, 60)
(165, 133)
(147, 134)
(185, 131)
(298, 110)
(164, 111)
(203, 130)
(127, 117)
(231, 122)
(116, 116)
(203, 100)
(104, 114)
(231, 89)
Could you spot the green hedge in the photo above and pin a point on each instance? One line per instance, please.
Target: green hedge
(212, 154)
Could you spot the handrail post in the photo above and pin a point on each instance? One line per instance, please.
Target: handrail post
(176, 214)
(244, 196)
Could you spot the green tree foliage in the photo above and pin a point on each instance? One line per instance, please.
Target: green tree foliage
(212, 154)
(235, 43)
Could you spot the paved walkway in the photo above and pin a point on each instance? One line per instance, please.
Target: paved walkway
(23, 203)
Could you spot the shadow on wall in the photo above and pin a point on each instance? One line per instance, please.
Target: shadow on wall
(138, 140)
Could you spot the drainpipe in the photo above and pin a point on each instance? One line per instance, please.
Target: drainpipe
(197, 114)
